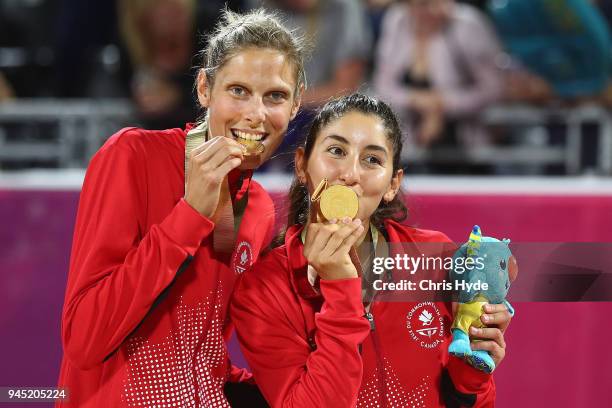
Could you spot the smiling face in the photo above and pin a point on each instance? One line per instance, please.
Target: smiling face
(353, 151)
(252, 97)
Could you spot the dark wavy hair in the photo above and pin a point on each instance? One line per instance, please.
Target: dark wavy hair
(298, 194)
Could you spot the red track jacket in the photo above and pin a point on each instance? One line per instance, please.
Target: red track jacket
(144, 317)
(322, 352)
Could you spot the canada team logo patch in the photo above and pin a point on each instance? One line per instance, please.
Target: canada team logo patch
(243, 257)
(425, 325)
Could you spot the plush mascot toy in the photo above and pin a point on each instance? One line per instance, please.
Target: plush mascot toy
(492, 264)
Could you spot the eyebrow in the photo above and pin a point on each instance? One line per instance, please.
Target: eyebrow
(368, 147)
(276, 87)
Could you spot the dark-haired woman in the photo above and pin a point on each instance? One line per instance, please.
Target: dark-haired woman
(313, 335)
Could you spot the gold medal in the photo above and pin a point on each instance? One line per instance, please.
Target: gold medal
(252, 156)
(335, 202)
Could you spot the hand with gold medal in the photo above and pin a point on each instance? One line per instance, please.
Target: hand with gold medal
(333, 232)
(208, 160)
(253, 149)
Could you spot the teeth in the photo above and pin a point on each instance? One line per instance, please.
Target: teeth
(247, 136)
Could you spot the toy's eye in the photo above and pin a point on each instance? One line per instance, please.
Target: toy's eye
(502, 264)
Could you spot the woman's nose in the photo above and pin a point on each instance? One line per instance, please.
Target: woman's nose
(256, 112)
(349, 173)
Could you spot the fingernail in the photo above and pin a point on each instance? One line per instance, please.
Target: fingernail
(357, 221)
(333, 221)
(486, 318)
(474, 330)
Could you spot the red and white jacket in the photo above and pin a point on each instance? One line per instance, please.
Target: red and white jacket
(144, 318)
(308, 351)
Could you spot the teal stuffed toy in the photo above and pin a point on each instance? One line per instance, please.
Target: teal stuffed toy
(483, 269)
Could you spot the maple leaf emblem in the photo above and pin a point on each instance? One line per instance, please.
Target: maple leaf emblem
(426, 317)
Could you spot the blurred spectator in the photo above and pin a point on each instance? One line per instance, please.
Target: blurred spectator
(376, 11)
(563, 46)
(436, 64)
(341, 42)
(137, 48)
(564, 54)
(160, 40)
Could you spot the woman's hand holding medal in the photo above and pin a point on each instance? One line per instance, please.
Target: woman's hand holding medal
(327, 246)
(209, 164)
